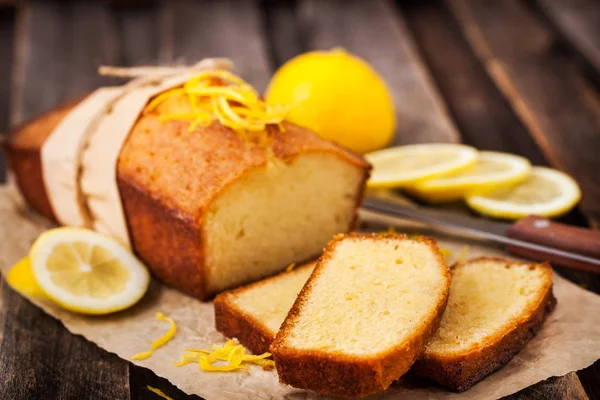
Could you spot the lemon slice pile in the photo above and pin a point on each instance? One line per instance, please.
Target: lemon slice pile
(86, 272)
(545, 192)
(491, 170)
(406, 165)
(496, 184)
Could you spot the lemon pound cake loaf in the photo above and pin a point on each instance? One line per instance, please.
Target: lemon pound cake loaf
(495, 307)
(207, 204)
(254, 313)
(365, 314)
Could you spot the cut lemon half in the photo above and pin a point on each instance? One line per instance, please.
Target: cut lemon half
(546, 192)
(407, 165)
(87, 272)
(491, 170)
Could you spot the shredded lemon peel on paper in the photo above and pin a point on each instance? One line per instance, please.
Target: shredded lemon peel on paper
(290, 267)
(159, 392)
(232, 352)
(161, 341)
(223, 96)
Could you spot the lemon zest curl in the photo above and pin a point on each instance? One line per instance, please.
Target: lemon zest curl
(232, 353)
(222, 96)
(161, 341)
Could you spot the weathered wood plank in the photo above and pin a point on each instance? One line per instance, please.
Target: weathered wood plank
(565, 387)
(138, 33)
(590, 380)
(579, 22)
(485, 120)
(546, 90)
(40, 359)
(192, 30)
(283, 30)
(59, 47)
(377, 32)
(141, 378)
(7, 19)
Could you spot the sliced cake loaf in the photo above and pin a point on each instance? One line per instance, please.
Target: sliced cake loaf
(254, 313)
(208, 210)
(495, 307)
(365, 314)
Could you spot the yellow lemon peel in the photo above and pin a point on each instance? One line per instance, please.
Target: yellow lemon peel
(290, 267)
(222, 96)
(159, 392)
(232, 353)
(21, 279)
(446, 253)
(161, 341)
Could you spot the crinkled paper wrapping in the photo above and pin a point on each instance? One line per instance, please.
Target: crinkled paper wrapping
(569, 340)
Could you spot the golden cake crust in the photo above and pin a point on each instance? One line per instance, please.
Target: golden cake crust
(168, 177)
(461, 371)
(343, 375)
(23, 149)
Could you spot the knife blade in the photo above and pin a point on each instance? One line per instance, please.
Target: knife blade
(480, 229)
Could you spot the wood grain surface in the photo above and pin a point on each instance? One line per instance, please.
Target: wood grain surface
(376, 31)
(454, 78)
(579, 22)
(546, 90)
(192, 30)
(7, 18)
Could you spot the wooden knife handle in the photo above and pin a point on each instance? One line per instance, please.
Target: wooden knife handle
(543, 231)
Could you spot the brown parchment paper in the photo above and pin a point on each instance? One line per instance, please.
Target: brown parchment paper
(569, 340)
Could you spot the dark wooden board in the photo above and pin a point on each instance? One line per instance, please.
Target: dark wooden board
(579, 22)
(286, 38)
(486, 121)
(545, 89)
(137, 27)
(58, 48)
(7, 19)
(60, 45)
(565, 387)
(192, 30)
(376, 31)
(40, 359)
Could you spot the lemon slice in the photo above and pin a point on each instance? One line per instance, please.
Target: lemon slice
(491, 170)
(406, 165)
(544, 192)
(86, 272)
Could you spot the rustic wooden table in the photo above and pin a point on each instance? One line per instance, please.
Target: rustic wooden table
(501, 75)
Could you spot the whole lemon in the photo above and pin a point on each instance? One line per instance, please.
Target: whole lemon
(339, 96)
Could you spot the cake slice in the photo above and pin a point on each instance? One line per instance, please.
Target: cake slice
(495, 307)
(364, 316)
(254, 313)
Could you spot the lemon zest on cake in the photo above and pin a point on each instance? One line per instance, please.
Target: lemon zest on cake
(159, 392)
(231, 352)
(161, 341)
(222, 96)
(290, 267)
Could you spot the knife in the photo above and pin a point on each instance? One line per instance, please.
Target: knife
(532, 237)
